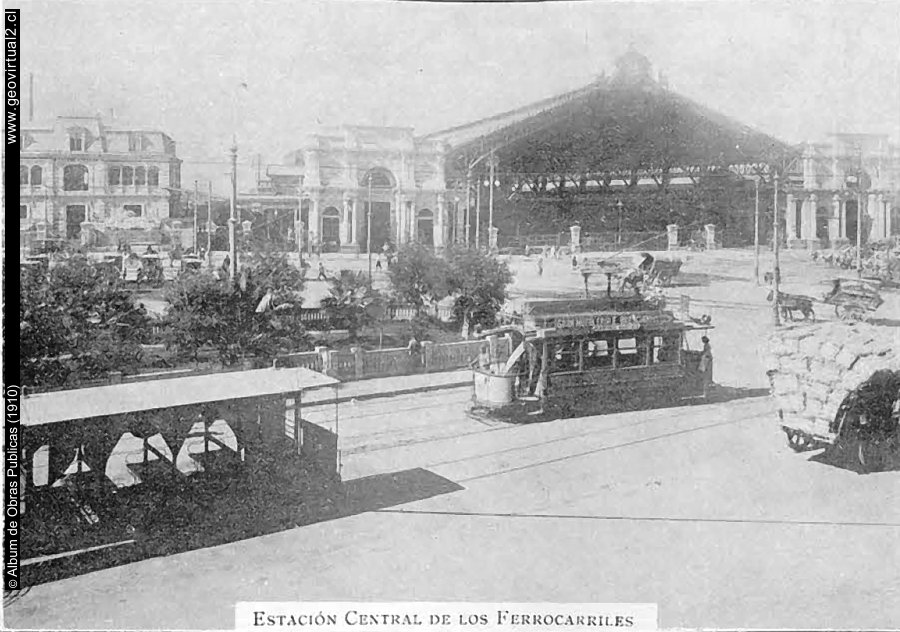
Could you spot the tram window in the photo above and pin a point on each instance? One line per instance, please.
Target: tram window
(628, 353)
(665, 349)
(565, 357)
(597, 354)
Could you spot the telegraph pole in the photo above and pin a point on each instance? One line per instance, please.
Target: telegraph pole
(859, 218)
(478, 217)
(756, 233)
(491, 195)
(298, 225)
(369, 225)
(233, 220)
(196, 210)
(209, 222)
(468, 201)
(777, 273)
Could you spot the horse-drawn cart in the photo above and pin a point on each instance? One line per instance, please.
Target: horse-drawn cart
(853, 299)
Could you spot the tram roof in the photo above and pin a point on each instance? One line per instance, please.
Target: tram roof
(567, 306)
(117, 399)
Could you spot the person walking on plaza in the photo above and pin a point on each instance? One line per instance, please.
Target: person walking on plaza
(540, 265)
(574, 262)
(378, 263)
(322, 276)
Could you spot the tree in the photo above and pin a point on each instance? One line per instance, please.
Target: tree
(78, 322)
(478, 281)
(258, 314)
(351, 303)
(418, 275)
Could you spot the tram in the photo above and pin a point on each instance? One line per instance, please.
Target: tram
(586, 356)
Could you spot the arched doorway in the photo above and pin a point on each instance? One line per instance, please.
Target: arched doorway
(331, 230)
(75, 215)
(425, 227)
(377, 186)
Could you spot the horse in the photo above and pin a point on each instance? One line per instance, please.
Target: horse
(789, 303)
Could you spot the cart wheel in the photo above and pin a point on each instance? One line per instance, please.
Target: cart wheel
(850, 313)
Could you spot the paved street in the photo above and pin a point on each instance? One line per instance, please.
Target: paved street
(703, 510)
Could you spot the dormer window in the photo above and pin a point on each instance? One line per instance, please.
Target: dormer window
(76, 142)
(134, 142)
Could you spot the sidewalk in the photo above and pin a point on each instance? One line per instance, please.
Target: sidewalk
(390, 386)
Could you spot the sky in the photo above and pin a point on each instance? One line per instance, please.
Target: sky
(796, 70)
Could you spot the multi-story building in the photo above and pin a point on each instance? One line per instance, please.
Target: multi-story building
(80, 178)
(346, 170)
(840, 176)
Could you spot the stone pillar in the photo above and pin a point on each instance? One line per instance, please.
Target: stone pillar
(440, 223)
(345, 222)
(790, 218)
(315, 227)
(493, 234)
(411, 221)
(834, 222)
(808, 228)
(575, 233)
(876, 232)
(672, 236)
(843, 213)
(354, 221)
(710, 236)
(887, 218)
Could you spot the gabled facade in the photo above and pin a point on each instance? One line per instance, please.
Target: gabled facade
(78, 174)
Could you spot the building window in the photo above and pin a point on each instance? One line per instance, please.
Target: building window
(597, 354)
(134, 142)
(23, 175)
(127, 176)
(140, 176)
(37, 175)
(153, 176)
(23, 211)
(134, 210)
(114, 176)
(75, 178)
(76, 142)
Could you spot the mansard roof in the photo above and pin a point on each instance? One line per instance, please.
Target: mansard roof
(627, 121)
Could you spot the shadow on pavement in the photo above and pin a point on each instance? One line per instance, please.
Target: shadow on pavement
(204, 510)
(844, 458)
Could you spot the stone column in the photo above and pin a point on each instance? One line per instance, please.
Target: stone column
(843, 214)
(575, 232)
(315, 225)
(887, 218)
(808, 233)
(354, 223)
(672, 236)
(345, 221)
(440, 222)
(790, 218)
(873, 210)
(834, 222)
(493, 234)
(710, 236)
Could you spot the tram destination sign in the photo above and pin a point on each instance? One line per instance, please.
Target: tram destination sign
(613, 321)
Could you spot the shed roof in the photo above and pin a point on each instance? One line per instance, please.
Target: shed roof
(117, 399)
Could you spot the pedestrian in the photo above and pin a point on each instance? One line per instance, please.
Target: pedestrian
(574, 262)
(706, 363)
(322, 276)
(540, 265)
(415, 353)
(226, 265)
(378, 263)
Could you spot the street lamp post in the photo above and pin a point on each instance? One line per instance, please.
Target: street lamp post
(777, 273)
(298, 225)
(468, 202)
(478, 218)
(756, 233)
(619, 206)
(369, 225)
(491, 196)
(209, 223)
(196, 210)
(233, 220)
(859, 220)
